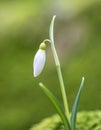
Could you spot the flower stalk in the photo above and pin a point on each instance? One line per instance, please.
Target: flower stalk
(58, 67)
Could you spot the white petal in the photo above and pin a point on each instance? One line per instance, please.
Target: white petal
(39, 62)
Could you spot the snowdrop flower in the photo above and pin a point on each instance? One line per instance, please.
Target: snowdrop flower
(39, 60)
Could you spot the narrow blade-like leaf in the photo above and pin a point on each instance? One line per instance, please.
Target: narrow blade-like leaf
(51, 31)
(75, 106)
(57, 105)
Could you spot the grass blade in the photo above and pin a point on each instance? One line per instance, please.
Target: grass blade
(51, 31)
(57, 105)
(75, 106)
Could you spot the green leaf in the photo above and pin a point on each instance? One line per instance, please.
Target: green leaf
(51, 31)
(74, 110)
(58, 67)
(57, 105)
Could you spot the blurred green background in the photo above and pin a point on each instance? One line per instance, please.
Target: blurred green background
(24, 24)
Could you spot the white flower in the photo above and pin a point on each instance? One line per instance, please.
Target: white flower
(39, 61)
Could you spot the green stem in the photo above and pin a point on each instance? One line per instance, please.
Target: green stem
(58, 67)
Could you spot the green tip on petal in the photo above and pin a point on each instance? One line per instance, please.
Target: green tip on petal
(42, 46)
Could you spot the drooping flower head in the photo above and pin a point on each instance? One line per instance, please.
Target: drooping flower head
(39, 60)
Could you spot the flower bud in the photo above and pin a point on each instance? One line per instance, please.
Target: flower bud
(39, 60)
